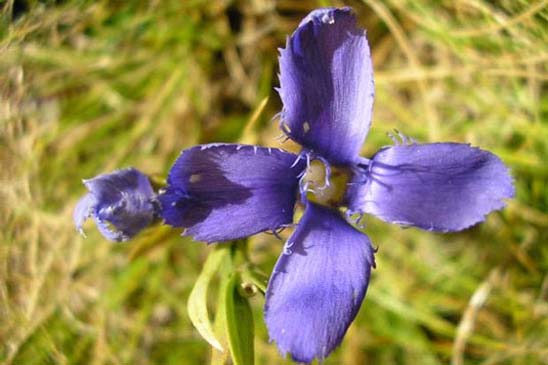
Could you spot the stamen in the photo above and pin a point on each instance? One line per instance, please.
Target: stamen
(327, 166)
(324, 184)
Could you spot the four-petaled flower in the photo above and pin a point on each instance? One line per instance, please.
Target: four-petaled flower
(122, 203)
(223, 192)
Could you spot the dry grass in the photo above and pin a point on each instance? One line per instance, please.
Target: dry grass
(86, 87)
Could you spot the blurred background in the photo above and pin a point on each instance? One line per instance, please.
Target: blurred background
(90, 86)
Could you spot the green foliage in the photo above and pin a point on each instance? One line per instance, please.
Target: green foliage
(239, 323)
(197, 301)
(90, 86)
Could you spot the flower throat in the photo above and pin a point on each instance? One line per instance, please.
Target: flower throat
(325, 185)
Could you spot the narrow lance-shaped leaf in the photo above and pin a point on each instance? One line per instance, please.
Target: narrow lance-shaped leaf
(225, 275)
(197, 301)
(239, 322)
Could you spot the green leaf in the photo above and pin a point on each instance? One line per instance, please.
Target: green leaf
(225, 274)
(239, 323)
(197, 300)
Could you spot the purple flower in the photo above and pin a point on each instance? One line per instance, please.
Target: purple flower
(224, 192)
(122, 203)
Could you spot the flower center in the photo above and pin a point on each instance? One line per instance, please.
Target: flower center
(326, 185)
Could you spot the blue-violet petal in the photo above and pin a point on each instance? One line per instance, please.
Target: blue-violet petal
(318, 284)
(223, 192)
(83, 211)
(121, 203)
(438, 187)
(326, 85)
